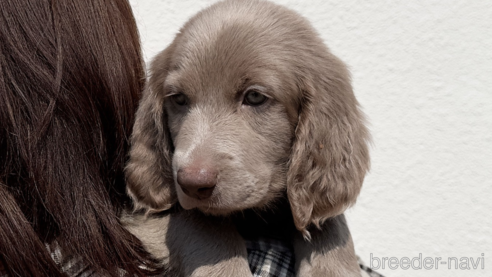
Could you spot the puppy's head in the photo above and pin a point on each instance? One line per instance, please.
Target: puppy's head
(245, 104)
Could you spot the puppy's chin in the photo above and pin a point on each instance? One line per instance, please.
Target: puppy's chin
(227, 201)
(204, 206)
(213, 206)
(208, 206)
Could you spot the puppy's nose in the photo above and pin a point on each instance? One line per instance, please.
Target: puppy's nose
(198, 183)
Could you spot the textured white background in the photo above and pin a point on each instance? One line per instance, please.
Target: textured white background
(422, 70)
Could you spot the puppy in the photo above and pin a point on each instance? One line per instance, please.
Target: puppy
(248, 128)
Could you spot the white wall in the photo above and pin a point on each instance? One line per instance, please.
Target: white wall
(422, 71)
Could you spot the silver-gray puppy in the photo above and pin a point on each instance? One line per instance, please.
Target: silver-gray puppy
(248, 119)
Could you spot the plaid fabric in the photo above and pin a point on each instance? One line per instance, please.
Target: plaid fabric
(269, 257)
(266, 258)
(367, 271)
(69, 264)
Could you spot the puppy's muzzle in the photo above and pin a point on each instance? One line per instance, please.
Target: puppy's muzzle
(198, 183)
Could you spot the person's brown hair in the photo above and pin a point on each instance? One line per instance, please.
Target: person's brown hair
(71, 74)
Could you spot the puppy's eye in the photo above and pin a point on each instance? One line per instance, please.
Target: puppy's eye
(179, 99)
(254, 98)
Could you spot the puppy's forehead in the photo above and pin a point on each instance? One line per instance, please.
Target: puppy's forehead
(227, 56)
(219, 34)
(236, 41)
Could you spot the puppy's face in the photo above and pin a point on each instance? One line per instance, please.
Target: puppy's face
(245, 104)
(231, 119)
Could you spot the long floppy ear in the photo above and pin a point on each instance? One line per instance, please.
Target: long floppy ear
(149, 170)
(330, 155)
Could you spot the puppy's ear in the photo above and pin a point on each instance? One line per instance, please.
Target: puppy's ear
(149, 174)
(330, 154)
